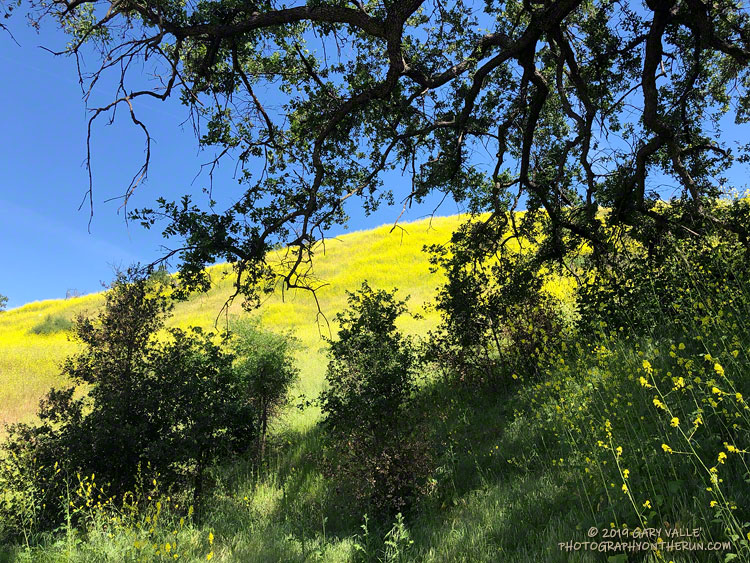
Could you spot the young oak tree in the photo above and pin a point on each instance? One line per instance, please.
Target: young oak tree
(377, 451)
(565, 107)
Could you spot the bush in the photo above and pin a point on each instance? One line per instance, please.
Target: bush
(52, 324)
(265, 369)
(496, 315)
(681, 275)
(378, 452)
(165, 407)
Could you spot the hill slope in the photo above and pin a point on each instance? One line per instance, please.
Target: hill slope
(386, 257)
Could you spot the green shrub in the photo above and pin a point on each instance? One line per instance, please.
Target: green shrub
(52, 324)
(378, 452)
(265, 369)
(681, 276)
(163, 408)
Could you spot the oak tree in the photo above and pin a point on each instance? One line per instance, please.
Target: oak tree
(562, 107)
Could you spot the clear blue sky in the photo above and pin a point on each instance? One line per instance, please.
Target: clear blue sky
(45, 246)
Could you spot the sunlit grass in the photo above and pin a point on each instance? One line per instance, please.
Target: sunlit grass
(29, 363)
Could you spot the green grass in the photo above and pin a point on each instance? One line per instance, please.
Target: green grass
(52, 324)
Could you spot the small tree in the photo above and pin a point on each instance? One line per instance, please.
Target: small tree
(265, 369)
(371, 379)
(3, 302)
(497, 316)
(164, 401)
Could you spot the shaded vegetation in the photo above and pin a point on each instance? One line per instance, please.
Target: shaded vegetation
(52, 324)
(377, 453)
(618, 406)
(156, 406)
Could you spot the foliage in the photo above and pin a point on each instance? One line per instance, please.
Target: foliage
(30, 364)
(3, 302)
(496, 313)
(500, 458)
(582, 105)
(265, 369)
(395, 545)
(52, 324)
(640, 286)
(152, 406)
(377, 453)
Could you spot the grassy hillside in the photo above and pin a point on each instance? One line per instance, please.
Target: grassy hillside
(29, 362)
(607, 428)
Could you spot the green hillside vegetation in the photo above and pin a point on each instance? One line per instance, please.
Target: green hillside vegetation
(568, 419)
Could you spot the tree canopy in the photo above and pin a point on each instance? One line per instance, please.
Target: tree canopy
(562, 107)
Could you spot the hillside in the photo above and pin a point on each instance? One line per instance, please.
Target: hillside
(636, 419)
(29, 362)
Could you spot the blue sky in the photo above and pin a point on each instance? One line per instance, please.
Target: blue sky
(45, 246)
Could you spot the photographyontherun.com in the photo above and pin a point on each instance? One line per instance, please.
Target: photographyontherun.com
(634, 545)
(644, 539)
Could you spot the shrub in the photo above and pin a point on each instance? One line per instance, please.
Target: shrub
(265, 369)
(168, 405)
(495, 311)
(378, 452)
(52, 324)
(680, 275)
